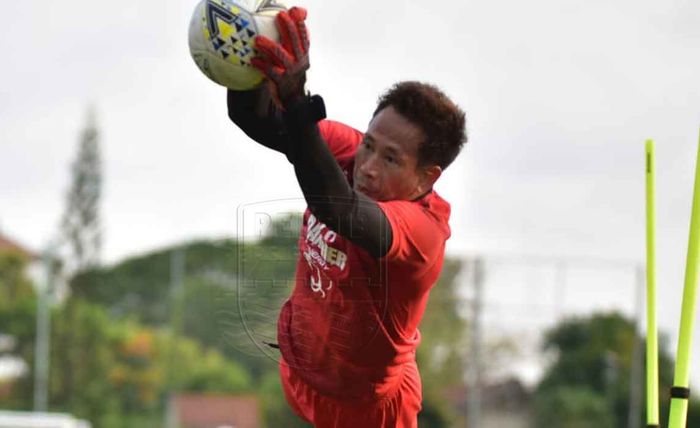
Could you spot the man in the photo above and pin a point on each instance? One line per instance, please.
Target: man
(372, 240)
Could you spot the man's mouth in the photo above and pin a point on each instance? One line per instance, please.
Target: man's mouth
(365, 190)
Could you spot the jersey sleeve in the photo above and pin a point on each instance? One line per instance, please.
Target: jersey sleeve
(417, 240)
(342, 139)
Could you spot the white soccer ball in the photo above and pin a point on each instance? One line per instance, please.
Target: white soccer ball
(221, 39)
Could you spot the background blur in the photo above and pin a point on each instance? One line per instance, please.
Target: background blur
(111, 138)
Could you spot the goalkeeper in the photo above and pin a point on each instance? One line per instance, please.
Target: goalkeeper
(372, 239)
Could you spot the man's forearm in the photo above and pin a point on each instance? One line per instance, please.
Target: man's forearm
(255, 114)
(326, 190)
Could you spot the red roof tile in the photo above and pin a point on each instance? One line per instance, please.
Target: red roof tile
(214, 411)
(9, 245)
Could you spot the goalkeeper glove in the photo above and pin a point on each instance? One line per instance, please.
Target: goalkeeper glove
(285, 63)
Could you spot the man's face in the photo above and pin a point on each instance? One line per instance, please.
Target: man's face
(386, 163)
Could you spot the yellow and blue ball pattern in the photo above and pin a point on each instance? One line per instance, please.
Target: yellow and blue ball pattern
(230, 29)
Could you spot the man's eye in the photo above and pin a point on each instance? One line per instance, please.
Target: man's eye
(390, 159)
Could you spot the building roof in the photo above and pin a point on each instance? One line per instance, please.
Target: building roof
(7, 244)
(214, 411)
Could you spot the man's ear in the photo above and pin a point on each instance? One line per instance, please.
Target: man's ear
(428, 177)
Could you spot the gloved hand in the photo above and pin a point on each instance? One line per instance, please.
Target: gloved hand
(285, 63)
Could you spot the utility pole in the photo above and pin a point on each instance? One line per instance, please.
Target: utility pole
(634, 417)
(43, 332)
(177, 272)
(474, 368)
(560, 292)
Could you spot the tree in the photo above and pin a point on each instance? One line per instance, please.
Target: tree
(14, 283)
(588, 382)
(441, 357)
(232, 292)
(84, 344)
(276, 410)
(572, 407)
(17, 321)
(80, 225)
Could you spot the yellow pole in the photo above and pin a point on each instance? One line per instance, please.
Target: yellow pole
(680, 392)
(652, 335)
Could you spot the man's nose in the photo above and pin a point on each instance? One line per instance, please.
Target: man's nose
(370, 167)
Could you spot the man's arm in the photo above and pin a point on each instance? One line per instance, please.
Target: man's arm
(255, 113)
(327, 192)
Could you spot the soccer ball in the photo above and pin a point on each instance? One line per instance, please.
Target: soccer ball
(221, 39)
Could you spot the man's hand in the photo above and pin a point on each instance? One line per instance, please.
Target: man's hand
(285, 64)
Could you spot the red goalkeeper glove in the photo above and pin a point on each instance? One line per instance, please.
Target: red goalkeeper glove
(285, 63)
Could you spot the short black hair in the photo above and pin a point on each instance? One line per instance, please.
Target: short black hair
(441, 120)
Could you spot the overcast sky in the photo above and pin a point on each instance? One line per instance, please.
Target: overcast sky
(560, 96)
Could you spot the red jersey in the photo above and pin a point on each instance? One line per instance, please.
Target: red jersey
(350, 326)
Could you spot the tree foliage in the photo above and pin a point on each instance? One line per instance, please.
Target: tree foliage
(14, 283)
(588, 381)
(230, 297)
(441, 356)
(109, 371)
(572, 407)
(81, 225)
(17, 316)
